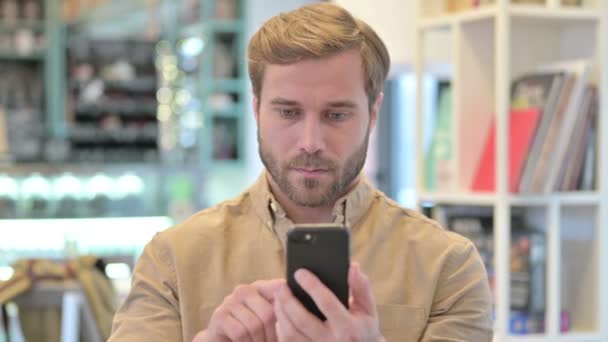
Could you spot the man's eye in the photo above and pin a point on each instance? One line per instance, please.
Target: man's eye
(336, 116)
(289, 113)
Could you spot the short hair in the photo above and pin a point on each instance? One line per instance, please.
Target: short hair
(316, 31)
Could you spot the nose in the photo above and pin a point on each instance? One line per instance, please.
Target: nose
(311, 137)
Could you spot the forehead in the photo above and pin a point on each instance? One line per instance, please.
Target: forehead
(340, 75)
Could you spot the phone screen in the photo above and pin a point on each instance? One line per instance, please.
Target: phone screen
(325, 251)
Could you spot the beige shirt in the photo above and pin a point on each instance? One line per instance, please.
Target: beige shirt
(429, 284)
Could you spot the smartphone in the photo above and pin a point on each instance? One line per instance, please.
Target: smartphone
(325, 251)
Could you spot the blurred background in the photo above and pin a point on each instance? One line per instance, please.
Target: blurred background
(121, 118)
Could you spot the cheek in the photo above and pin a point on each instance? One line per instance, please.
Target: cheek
(276, 139)
(345, 142)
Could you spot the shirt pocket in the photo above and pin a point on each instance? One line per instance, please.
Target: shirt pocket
(401, 322)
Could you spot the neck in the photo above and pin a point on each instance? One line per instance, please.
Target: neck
(299, 214)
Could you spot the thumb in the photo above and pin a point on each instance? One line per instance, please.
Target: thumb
(362, 296)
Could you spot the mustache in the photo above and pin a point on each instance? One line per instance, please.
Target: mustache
(306, 160)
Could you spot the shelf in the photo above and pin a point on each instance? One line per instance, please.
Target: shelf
(108, 10)
(15, 57)
(445, 22)
(563, 198)
(211, 26)
(138, 85)
(573, 337)
(566, 198)
(227, 111)
(125, 107)
(36, 25)
(560, 14)
(225, 26)
(579, 337)
(485, 199)
(226, 85)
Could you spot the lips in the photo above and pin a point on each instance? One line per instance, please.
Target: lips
(310, 172)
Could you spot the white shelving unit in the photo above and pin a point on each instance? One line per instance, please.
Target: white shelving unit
(485, 48)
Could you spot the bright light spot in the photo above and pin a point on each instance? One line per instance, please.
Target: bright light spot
(8, 187)
(163, 95)
(67, 185)
(192, 46)
(118, 270)
(6, 272)
(164, 113)
(100, 184)
(191, 120)
(183, 97)
(130, 184)
(35, 185)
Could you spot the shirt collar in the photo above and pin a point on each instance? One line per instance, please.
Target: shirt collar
(348, 210)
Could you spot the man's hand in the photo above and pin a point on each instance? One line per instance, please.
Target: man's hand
(245, 315)
(359, 323)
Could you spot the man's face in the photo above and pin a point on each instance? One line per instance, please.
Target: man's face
(313, 126)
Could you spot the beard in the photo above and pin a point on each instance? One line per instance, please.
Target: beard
(311, 192)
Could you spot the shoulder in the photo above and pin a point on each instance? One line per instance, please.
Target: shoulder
(415, 227)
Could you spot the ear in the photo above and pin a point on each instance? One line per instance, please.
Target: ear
(256, 109)
(376, 111)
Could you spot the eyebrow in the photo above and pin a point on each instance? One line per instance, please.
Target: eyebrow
(284, 102)
(334, 104)
(343, 104)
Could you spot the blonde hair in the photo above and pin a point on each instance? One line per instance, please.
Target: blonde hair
(316, 31)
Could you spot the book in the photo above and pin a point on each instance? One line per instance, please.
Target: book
(540, 90)
(4, 148)
(527, 257)
(439, 161)
(540, 161)
(558, 148)
(549, 107)
(573, 161)
(522, 126)
(588, 178)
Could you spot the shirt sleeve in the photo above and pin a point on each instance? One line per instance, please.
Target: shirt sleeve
(151, 310)
(462, 306)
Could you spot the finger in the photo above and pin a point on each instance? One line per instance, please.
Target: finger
(254, 327)
(268, 288)
(308, 324)
(286, 330)
(265, 313)
(234, 329)
(337, 314)
(363, 297)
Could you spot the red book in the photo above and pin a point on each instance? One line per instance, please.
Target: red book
(522, 128)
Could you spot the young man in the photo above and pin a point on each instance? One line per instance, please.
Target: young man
(317, 76)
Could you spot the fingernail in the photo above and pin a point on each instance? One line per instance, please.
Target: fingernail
(300, 275)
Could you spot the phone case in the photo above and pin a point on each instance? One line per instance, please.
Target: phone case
(325, 251)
